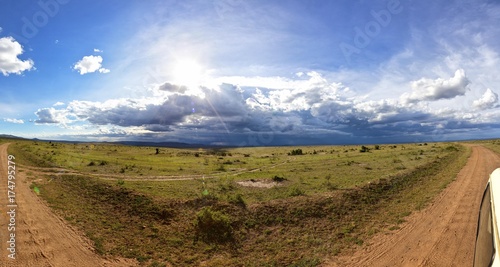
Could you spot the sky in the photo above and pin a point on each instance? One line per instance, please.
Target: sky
(250, 73)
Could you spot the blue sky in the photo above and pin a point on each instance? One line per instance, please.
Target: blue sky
(254, 72)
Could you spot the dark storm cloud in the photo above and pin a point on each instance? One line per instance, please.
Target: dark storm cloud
(169, 87)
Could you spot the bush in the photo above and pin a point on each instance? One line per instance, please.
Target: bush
(451, 148)
(296, 152)
(364, 149)
(213, 226)
(278, 179)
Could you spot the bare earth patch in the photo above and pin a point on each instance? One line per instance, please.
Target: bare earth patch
(259, 184)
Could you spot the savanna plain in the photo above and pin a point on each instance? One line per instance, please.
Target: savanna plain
(246, 206)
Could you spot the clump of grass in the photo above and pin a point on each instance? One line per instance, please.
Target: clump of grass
(296, 191)
(221, 168)
(329, 184)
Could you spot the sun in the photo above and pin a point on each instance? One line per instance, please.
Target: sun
(187, 72)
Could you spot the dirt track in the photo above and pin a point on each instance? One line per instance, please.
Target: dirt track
(41, 238)
(443, 234)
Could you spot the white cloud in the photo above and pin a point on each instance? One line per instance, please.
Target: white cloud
(104, 70)
(52, 115)
(487, 101)
(97, 50)
(16, 121)
(89, 64)
(432, 90)
(58, 104)
(10, 49)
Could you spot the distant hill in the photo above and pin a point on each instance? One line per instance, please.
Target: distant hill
(10, 136)
(129, 143)
(161, 144)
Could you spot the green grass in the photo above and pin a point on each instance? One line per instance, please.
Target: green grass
(319, 170)
(332, 198)
(491, 144)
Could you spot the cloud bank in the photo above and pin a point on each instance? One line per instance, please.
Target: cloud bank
(309, 107)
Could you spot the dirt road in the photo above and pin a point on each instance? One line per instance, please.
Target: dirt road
(40, 238)
(443, 234)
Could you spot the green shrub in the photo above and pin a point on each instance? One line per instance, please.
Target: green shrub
(213, 226)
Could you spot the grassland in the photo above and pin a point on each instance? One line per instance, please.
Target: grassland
(186, 207)
(491, 144)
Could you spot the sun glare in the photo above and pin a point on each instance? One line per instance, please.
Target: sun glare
(188, 73)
